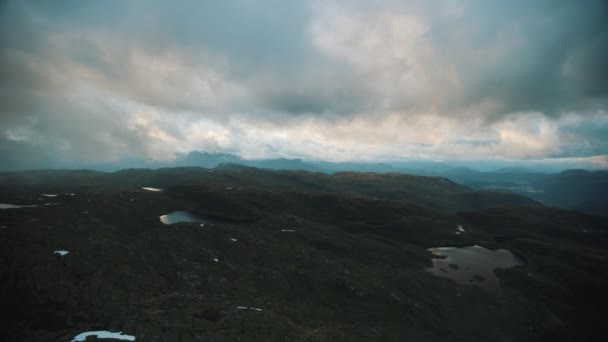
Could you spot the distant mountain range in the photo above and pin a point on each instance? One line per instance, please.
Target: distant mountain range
(417, 167)
(574, 189)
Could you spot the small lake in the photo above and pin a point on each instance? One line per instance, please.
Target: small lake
(15, 206)
(472, 265)
(182, 216)
(103, 334)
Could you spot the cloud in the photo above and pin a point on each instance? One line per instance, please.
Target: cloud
(329, 80)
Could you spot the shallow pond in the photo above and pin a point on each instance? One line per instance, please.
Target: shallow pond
(472, 265)
(15, 206)
(103, 334)
(182, 216)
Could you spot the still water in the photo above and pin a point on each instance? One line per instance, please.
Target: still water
(472, 265)
(103, 334)
(182, 216)
(15, 206)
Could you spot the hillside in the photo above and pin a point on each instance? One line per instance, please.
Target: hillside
(571, 189)
(287, 255)
(432, 192)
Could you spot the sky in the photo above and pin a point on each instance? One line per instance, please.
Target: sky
(98, 81)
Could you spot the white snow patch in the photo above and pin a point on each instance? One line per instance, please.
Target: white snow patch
(103, 334)
(248, 308)
(233, 239)
(61, 252)
(287, 230)
(152, 189)
(202, 224)
(460, 228)
(49, 195)
(216, 260)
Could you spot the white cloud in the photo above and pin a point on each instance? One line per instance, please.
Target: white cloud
(340, 80)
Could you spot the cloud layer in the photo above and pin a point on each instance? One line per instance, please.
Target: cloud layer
(338, 80)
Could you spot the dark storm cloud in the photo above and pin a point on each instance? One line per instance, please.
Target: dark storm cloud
(557, 58)
(542, 56)
(499, 57)
(108, 79)
(241, 35)
(585, 138)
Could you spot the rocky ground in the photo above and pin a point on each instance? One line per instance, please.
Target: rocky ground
(288, 256)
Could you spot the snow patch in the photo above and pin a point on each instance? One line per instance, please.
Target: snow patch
(152, 189)
(249, 308)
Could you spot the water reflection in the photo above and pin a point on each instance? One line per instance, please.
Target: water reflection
(103, 334)
(473, 265)
(15, 206)
(181, 216)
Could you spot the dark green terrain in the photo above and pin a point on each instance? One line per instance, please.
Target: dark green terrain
(582, 190)
(339, 257)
